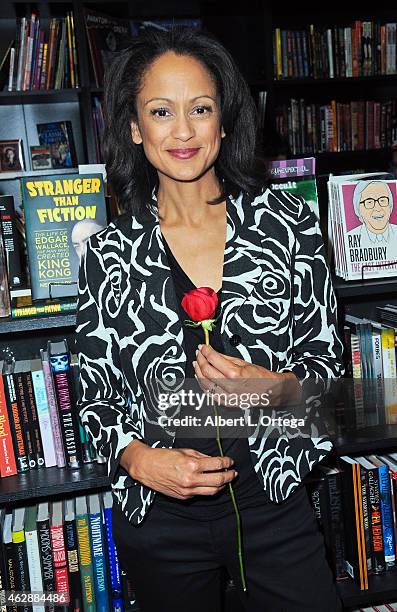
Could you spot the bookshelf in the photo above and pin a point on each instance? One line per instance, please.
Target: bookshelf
(24, 109)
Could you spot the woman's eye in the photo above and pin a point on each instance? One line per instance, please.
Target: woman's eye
(203, 110)
(159, 112)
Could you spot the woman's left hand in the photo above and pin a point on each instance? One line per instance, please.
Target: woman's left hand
(233, 375)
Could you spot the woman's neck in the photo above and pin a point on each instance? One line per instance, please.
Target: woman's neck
(185, 203)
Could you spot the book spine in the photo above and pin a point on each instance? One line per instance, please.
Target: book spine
(36, 435)
(114, 565)
(19, 441)
(67, 416)
(75, 579)
(11, 69)
(387, 516)
(52, 405)
(25, 418)
(8, 466)
(46, 558)
(99, 561)
(33, 555)
(378, 556)
(86, 567)
(366, 517)
(59, 560)
(11, 571)
(19, 312)
(335, 501)
(21, 566)
(44, 418)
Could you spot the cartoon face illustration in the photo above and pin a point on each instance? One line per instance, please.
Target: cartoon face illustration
(374, 206)
(82, 230)
(59, 363)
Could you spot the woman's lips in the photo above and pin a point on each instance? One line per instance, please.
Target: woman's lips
(183, 153)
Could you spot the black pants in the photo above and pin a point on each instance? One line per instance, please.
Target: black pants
(176, 563)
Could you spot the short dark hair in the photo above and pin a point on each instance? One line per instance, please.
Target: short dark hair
(131, 176)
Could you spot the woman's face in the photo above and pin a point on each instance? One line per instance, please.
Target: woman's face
(178, 117)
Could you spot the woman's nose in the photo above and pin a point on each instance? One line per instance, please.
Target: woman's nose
(183, 128)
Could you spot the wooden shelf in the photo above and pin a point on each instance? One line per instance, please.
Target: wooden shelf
(44, 483)
(8, 326)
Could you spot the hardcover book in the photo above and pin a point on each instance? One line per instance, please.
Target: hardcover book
(58, 138)
(61, 213)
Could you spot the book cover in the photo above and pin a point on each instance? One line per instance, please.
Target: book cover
(106, 36)
(386, 510)
(61, 213)
(58, 138)
(9, 557)
(296, 176)
(45, 548)
(25, 412)
(15, 418)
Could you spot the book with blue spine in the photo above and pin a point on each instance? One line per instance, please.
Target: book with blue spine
(98, 552)
(117, 602)
(386, 510)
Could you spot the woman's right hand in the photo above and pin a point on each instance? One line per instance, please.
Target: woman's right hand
(177, 472)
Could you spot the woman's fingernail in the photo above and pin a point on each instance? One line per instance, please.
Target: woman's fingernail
(199, 347)
(196, 352)
(194, 363)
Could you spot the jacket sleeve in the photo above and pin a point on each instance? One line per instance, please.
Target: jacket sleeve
(103, 402)
(317, 351)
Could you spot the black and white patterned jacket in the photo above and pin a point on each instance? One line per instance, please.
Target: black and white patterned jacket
(277, 296)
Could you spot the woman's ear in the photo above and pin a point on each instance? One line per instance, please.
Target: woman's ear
(135, 133)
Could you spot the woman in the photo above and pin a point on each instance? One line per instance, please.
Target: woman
(180, 153)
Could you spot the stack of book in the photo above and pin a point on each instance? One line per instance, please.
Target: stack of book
(358, 125)
(43, 60)
(362, 225)
(364, 48)
(355, 505)
(38, 410)
(64, 550)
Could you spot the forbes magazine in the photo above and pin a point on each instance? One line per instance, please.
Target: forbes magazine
(61, 212)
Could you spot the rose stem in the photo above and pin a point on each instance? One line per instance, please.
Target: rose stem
(218, 439)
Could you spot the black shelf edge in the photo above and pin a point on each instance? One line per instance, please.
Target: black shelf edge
(47, 482)
(391, 78)
(373, 286)
(376, 438)
(40, 95)
(382, 588)
(8, 326)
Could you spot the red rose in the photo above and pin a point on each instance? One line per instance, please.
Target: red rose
(200, 304)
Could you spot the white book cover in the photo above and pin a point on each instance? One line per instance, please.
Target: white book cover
(33, 554)
(368, 211)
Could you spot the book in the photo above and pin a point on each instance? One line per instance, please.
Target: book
(3, 574)
(5, 301)
(98, 552)
(10, 240)
(41, 157)
(53, 409)
(363, 224)
(45, 550)
(85, 555)
(59, 551)
(58, 137)
(72, 553)
(106, 37)
(43, 412)
(23, 306)
(61, 213)
(8, 466)
(33, 553)
(59, 357)
(9, 557)
(15, 418)
(22, 582)
(116, 591)
(297, 176)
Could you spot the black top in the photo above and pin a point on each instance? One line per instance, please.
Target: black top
(246, 485)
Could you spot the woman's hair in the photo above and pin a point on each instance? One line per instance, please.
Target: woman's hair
(131, 175)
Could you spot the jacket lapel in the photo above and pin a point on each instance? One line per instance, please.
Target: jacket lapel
(241, 269)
